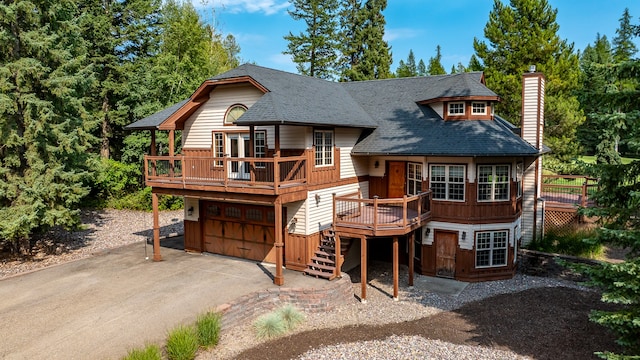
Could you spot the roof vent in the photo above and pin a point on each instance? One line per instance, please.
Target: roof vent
(532, 68)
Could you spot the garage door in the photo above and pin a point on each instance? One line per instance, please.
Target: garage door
(244, 231)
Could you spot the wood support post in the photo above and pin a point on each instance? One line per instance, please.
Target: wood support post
(277, 140)
(338, 251)
(156, 228)
(278, 278)
(172, 142)
(412, 249)
(152, 149)
(396, 260)
(363, 269)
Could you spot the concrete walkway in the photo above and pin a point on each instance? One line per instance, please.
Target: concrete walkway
(99, 308)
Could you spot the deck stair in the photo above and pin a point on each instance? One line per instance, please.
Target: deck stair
(323, 262)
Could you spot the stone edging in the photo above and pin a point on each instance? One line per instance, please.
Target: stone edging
(310, 300)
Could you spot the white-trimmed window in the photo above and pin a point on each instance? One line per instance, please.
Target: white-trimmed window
(218, 147)
(519, 176)
(493, 182)
(323, 141)
(260, 146)
(479, 108)
(491, 248)
(233, 113)
(414, 178)
(447, 182)
(456, 108)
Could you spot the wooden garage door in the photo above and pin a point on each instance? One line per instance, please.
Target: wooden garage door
(244, 231)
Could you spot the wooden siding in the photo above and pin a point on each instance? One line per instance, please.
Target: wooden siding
(465, 265)
(473, 211)
(299, 249)
(210, 116)
(197, 152)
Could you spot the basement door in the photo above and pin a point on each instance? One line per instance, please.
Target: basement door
(446, 244)
(240, 230)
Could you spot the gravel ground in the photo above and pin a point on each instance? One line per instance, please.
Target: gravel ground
(101, 230)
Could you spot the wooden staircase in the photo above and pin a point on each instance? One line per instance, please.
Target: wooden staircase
(323, 262)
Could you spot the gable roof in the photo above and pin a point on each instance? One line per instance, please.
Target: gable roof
(395, 111)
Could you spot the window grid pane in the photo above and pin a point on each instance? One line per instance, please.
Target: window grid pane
(447, 182)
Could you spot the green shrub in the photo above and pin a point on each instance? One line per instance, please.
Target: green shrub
(579, 243)
(269, 326)
(150, 352)
(182, 343)
(141, 200)
(291, 316)
(208, 326)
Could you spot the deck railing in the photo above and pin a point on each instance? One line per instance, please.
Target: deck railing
(568, 189)
(381, 214)
(226, 171)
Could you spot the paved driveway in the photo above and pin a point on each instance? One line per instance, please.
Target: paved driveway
(101, 307)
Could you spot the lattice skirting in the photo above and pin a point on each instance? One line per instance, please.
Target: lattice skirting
(561, 221)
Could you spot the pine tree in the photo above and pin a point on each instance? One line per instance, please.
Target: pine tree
(315, 50)
(422, 69)
(623, 47)
(44, 131)
(474, 64)
(409, 68)
(435, 64)
(513, 45)
(371, 58)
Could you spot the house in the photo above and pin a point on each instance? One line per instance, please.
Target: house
(285, 169)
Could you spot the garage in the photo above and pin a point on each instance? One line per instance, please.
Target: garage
(240, 230)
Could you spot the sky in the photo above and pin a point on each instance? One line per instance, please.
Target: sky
(419, 25)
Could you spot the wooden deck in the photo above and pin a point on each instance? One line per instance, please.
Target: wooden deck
(269, 176)
(381, 217)
(568, 191)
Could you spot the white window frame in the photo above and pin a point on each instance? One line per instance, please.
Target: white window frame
(324, 151)
(492, 248)
(456, 111)
(473, 108)
(260, 147)
(492, 182)
(414, 178)
(519, 177)
(218, 139)
(447, 182)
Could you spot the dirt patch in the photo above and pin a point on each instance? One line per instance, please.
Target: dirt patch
(544, 323)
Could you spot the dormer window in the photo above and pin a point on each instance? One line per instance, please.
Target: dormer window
(234, 112)
(456, 108)
(479, 108)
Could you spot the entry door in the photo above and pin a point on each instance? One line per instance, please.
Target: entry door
(239, 147)
(446, 244)
(397, 179)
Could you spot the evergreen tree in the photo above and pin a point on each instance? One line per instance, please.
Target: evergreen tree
(122, 35)
(44, 132)
(371, 59)
(351, 37)
(623, 47)
(474, 64)
(422, 69)
(315, 50)
(409, 68)
(595, 82)
(513, 45)
(435, 64)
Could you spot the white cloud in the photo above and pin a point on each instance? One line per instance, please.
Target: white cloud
(401, 33)
(268, 7)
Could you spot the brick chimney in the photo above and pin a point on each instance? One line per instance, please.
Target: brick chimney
(532, 127)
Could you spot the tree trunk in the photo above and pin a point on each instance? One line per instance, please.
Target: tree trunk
(106, 129)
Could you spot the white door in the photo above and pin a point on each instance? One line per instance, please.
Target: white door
(239, 147)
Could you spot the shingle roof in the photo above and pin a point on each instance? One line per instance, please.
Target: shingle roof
(407, 128)
(299, 100)
(390, 109)
(152, 122)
